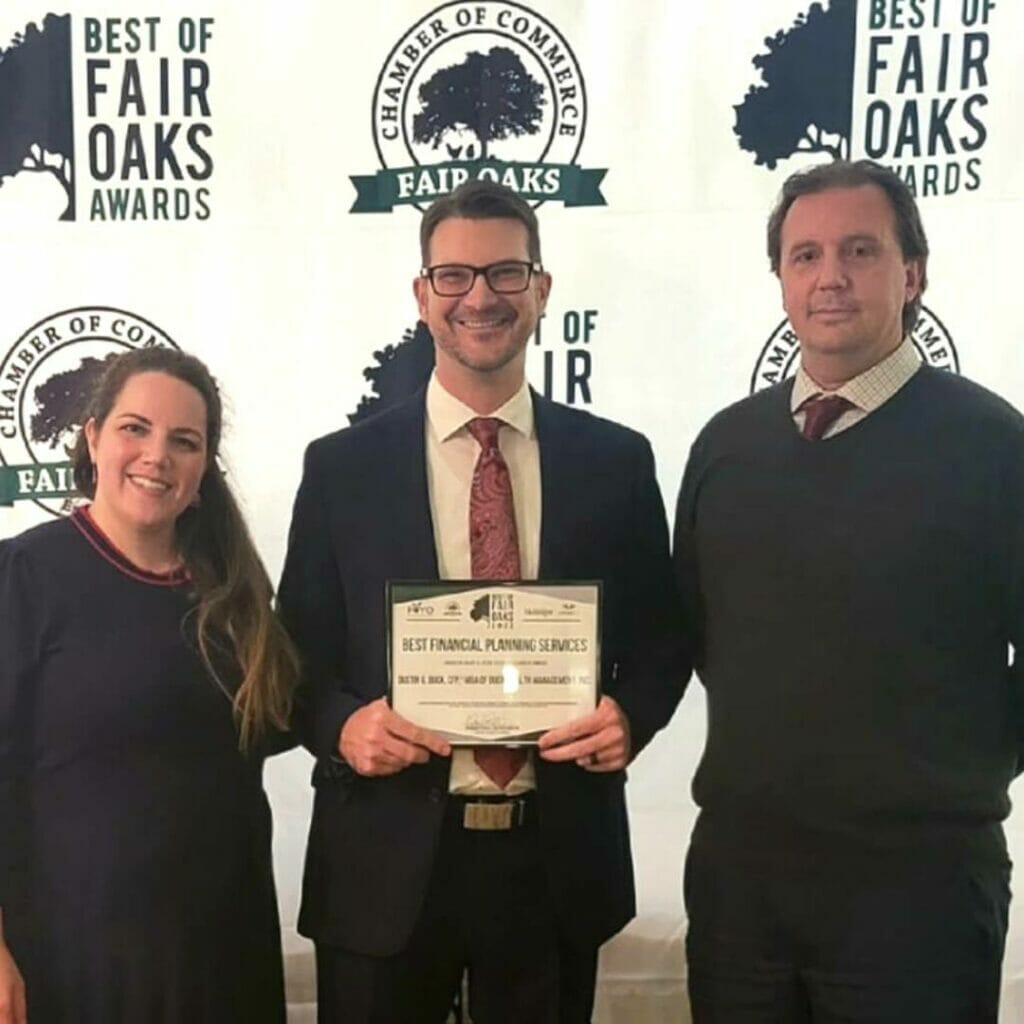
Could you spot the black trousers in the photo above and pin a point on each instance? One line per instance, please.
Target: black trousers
(808, 933)
(488, 911)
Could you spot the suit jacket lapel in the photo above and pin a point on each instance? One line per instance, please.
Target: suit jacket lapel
(559, 482)
(406, 516)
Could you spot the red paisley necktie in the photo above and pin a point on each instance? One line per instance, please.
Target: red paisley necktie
(494, 555)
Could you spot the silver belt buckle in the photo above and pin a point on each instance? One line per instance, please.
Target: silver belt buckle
(489, 817)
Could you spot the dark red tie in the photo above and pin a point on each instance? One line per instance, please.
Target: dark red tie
(494, 555)
(820, 413)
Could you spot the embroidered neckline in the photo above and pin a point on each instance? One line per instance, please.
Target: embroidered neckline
(87, 527)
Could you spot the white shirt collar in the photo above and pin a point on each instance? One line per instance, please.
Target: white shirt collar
(447, 415)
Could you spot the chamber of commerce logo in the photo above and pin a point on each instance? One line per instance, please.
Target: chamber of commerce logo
(46, 379)
(482, 89)
(780, 356)
(903, 83)
(139, 108)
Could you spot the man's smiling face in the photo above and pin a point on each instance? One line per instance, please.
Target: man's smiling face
(481, 333)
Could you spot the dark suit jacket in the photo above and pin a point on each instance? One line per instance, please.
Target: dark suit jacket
(362, 516)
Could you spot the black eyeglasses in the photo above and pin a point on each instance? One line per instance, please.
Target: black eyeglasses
(504, 278)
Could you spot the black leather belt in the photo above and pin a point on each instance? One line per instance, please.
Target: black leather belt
(492, 813)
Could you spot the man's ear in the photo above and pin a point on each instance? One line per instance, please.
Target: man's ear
(420, 288)
(543, 289)
(778, 277)
(915, 279)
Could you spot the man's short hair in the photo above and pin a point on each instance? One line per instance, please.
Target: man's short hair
(844, 174)
(480, 200)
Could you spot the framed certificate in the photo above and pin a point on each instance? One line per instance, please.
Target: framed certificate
(493, 662)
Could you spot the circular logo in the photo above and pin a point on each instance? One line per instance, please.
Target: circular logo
(46, 379)
(781, 353)
(489, 80)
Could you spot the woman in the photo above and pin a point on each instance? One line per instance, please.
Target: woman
(142, 677)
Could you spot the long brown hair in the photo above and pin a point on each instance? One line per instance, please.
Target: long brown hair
(234, 616)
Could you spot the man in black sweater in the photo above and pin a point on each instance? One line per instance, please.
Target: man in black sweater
(851, 548)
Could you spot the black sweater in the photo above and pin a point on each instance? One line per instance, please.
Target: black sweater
(850, 604)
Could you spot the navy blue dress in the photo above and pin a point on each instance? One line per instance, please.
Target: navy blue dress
(135, 866)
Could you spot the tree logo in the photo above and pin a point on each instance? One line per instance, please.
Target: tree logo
(905, 84)
(805, 104)
(489, 97)
(400, 371)
(779, 358)
(46, 379)
(36, 123)
(486, 89)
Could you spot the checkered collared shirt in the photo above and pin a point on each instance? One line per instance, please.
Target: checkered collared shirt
(866, 392)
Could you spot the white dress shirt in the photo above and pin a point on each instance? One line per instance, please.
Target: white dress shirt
(452, 453)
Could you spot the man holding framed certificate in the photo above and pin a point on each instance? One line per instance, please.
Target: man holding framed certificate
(497, 565)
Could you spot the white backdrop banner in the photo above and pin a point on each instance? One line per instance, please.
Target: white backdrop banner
(245, 181)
